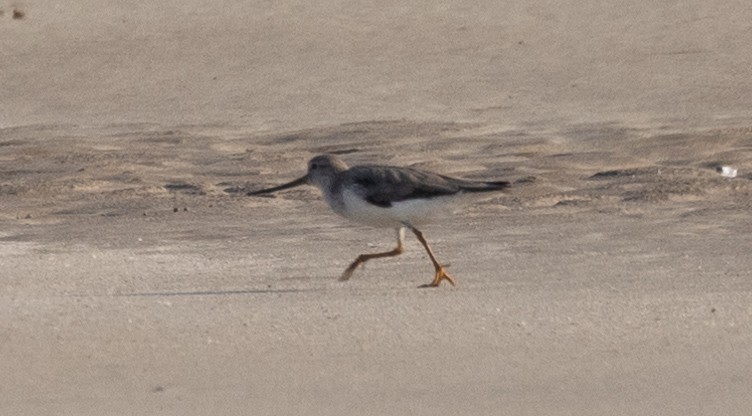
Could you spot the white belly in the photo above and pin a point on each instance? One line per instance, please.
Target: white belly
(414, 212)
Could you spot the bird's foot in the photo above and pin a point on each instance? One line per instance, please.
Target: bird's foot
(441, 274)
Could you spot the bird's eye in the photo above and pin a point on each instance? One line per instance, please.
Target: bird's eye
(314, 166)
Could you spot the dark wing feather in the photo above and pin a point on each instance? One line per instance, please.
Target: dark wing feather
(382, 185)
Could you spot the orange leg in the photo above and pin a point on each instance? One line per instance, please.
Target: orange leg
(365, 257)
(441, 273)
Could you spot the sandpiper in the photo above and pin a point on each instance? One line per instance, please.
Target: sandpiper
(386, 197)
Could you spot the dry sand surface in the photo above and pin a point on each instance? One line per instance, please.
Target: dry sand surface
(136, 278)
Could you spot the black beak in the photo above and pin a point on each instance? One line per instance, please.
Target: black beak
(296, 182)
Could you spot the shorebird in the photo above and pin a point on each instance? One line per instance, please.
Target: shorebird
(386, 197)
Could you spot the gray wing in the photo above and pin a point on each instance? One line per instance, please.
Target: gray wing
(384, 185)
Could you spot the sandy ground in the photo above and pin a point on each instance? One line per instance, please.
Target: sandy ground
(137, 278)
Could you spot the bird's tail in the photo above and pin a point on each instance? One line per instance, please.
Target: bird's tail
(485, 186)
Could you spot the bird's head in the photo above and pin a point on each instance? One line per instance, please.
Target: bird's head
(321, 172)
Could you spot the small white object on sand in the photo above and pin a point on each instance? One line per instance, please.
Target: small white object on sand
(727, 171)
